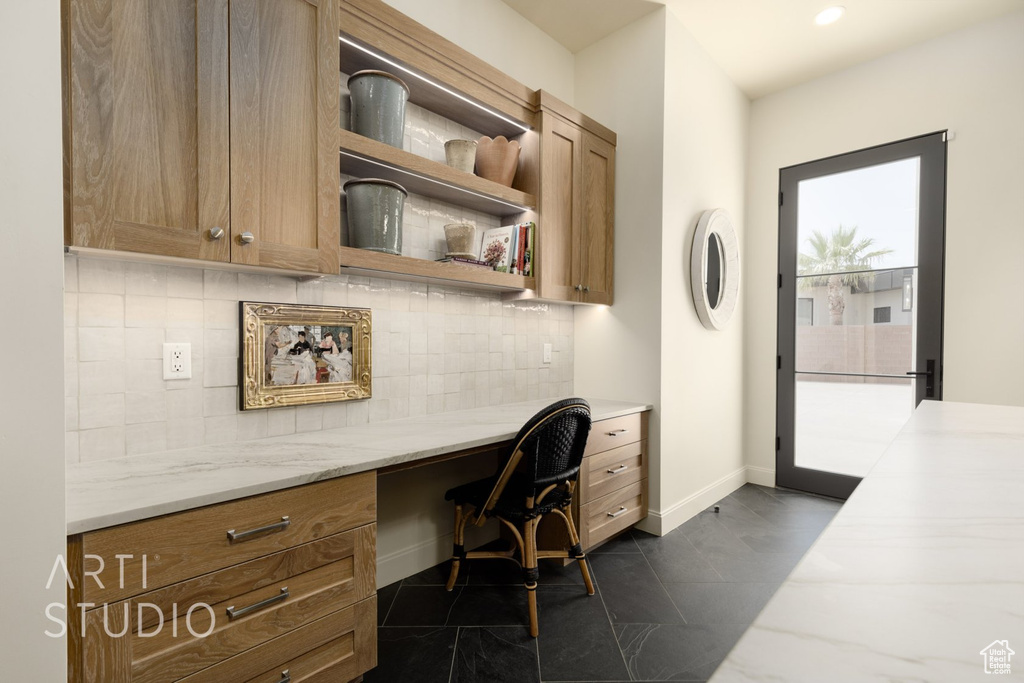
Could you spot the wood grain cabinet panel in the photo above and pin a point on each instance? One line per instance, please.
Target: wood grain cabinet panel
(576, 236)
(165, 550)
(146, 99)
(297, 598)
(284, 123)
(186, 116)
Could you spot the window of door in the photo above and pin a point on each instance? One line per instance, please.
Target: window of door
(860, 307)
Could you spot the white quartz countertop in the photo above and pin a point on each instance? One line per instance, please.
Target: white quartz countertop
(109, 492)
(921, 569)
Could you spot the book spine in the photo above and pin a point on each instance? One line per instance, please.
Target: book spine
(528, 259)
(514, 250)
(521, 229)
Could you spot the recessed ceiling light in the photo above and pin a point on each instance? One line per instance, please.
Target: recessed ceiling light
(829, 16)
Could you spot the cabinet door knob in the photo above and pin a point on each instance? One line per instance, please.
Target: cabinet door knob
(579, 288)
(216, 233)
(246, 238)
(586, 288)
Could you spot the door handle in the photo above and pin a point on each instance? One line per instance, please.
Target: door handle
(929, 375)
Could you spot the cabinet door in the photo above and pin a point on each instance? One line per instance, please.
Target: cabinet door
(147, 115)
(598, 244)
(284, 129)
(558, 233)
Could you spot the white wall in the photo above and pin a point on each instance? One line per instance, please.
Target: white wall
(706, 120)
(971, 82)
(31, 421)
(500, 36)
(681, 127)
(620, 82)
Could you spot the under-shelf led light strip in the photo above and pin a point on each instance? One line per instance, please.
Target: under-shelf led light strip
(426, 80)
(436, 182)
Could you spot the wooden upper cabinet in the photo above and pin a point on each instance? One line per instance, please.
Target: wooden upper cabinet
(575, 235)
(559, 272)
(598, 241)
(146, 101)
(284, 133)
(184, 116)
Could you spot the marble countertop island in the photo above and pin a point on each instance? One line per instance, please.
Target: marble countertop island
(109, 492)
(919, 572)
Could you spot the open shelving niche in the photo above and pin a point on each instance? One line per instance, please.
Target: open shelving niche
(362, 157)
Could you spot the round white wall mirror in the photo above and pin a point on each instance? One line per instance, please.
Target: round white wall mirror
(715, 269)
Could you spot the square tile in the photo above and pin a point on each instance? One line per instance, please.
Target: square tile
(657, 652)
(495, 655)
(631, 590)
(431, 649)
(576, 641)
(720, 603)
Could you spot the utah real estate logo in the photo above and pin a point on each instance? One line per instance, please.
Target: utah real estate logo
(997, 657)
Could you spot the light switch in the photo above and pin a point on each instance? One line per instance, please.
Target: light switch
(547, 353)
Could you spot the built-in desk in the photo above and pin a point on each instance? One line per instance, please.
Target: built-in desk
(919, 572)
(275, 543)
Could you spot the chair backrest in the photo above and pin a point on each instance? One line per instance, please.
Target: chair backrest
(549, 448)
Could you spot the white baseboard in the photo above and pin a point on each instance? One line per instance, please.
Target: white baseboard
(409, 560)
(404, 562)
(660, 522)
(762, 476)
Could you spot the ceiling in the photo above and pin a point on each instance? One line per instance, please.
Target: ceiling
(768, 45)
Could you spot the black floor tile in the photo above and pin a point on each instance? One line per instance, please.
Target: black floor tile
(437, 576)
(490, 606)
(720, 603)
(632, 591)
(495, 655)
(576, 641)
(656, 652)
(623, 543)
(711, 537)
(422, 606)
(675, 559)
(385, 598)
(495, 572)
(413, 655)
(755, 567)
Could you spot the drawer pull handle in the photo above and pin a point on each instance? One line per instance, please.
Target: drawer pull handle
(621, 511)
(617, 432)
(285, 677)
(619, 469)
(246, 535)
(236, 613)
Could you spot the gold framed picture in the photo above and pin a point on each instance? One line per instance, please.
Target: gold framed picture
(295, 355)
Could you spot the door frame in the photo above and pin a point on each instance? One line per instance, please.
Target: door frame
(931, 148)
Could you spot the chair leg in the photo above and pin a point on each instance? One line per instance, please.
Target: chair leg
(576, 551)
(531, 573)
(458, 547)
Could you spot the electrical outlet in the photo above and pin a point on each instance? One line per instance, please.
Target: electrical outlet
(177, 361)
(547, 353)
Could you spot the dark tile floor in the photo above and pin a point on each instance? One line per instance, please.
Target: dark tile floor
(667, 608)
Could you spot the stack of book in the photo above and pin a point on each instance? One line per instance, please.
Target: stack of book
(509, 249)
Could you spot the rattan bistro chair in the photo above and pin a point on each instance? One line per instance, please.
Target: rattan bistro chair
(537, 479)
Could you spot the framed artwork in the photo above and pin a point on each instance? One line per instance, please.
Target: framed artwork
(294, 355)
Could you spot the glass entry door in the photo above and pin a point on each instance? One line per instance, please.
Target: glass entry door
(860, 307)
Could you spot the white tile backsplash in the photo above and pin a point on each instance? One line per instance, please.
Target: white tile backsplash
(435, 349)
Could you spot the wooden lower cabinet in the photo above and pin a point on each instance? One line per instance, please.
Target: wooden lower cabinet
(302, 612)
(611, 494)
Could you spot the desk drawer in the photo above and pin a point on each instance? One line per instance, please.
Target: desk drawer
(603, 518)
(608, 434)
(611, 470)
(232, 610)
(338, 647)
(175, 547)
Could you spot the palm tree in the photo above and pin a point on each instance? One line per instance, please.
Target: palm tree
(832, 256)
